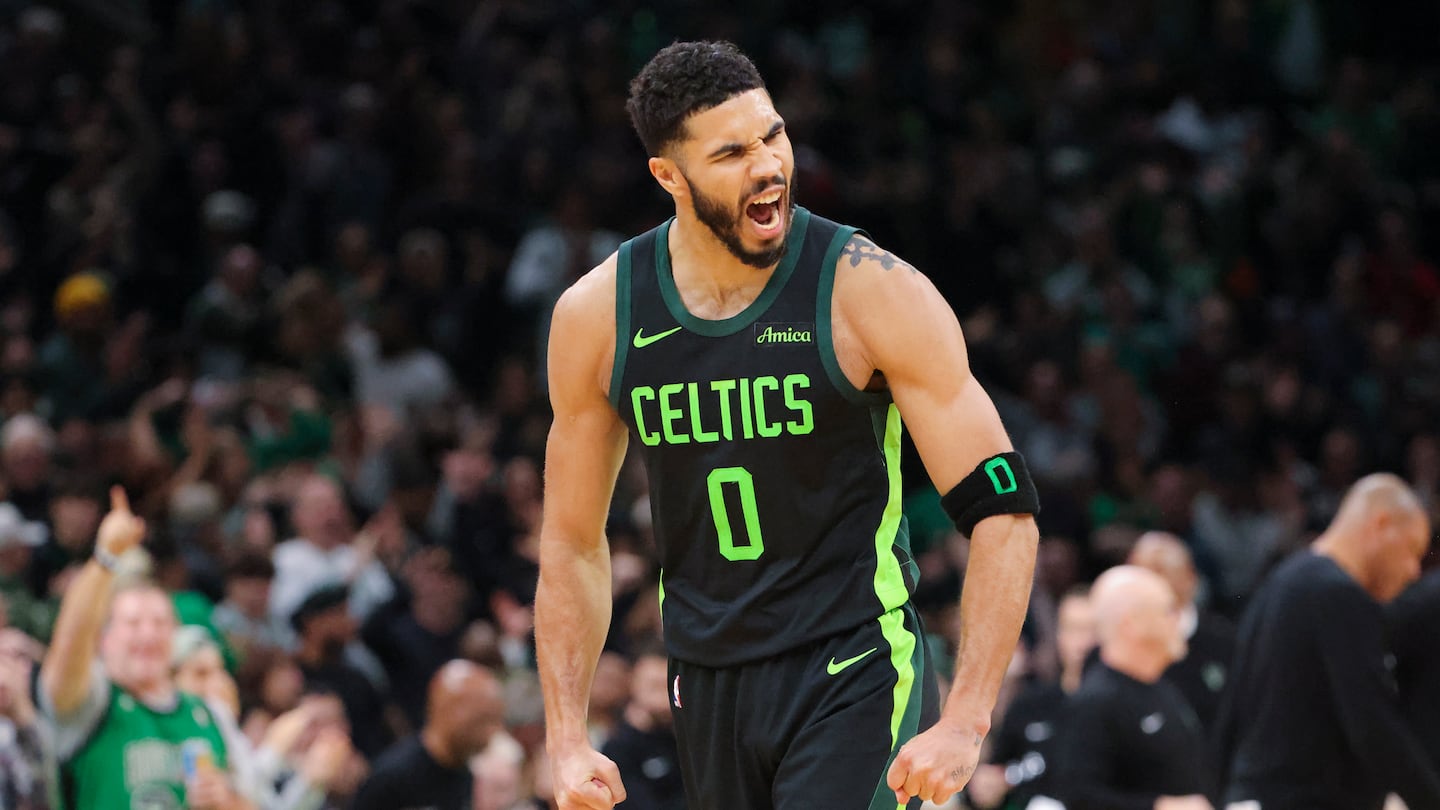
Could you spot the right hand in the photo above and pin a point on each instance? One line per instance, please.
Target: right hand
(1192, 802)
(209, 789)
(286, 730)
(120, 531)
(585, 779)
(326, 757)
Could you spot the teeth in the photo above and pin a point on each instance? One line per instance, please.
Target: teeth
(773, 196)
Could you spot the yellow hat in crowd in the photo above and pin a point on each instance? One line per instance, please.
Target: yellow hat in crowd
(81, 291)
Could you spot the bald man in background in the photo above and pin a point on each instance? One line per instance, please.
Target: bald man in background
(1311, 720)
(464, 709)
(1132, 742)
(1209, 638)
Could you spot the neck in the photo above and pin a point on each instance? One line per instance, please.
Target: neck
(1141, 665)
(438, 748)
(1343, 554)
(153, 693)
(693, 246)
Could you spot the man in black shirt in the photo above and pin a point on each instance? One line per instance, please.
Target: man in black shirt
(1210, 639)
(1311, 721)
(1025, 749)
(324, 628)
(1415, 637)
(1132, 742)
(643, 746)
(431, 770)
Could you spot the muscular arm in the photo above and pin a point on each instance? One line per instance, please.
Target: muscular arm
(904, 329)
(582, 459)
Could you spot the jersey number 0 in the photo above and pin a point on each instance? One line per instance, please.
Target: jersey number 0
(715, 482)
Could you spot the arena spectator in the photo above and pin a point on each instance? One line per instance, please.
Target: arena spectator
(1209, 639)
(23, 782)
(1131, 740)
(325, 630)
(1024, 755)
(128, 703)
(643, 745)
(465, 709)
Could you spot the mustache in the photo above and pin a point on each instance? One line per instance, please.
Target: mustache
(761, 185)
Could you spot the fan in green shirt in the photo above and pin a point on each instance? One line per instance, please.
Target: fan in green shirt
(126, 738)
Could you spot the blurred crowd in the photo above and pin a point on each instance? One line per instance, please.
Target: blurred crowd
(284, 270)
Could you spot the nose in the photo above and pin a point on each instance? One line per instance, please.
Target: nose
(767, 163)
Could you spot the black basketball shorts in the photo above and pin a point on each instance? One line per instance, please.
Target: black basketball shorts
(813, 729)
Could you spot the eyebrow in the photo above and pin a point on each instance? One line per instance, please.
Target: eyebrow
(738, 147)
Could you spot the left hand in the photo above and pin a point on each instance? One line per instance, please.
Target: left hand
(935, 765)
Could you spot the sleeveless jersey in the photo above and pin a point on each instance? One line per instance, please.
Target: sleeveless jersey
(134, 760)
(774, 482)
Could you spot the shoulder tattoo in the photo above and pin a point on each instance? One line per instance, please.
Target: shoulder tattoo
(860, 249)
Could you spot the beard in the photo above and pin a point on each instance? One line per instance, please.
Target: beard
(725, 222)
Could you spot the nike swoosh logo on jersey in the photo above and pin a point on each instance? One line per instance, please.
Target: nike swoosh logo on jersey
(836, 667)
(641, 340)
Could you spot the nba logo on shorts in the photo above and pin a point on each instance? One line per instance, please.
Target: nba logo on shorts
(675, 690)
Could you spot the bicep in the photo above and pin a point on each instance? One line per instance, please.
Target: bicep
(587, 439)
(911, 335)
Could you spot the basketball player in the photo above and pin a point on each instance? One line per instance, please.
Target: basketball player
(762, 357)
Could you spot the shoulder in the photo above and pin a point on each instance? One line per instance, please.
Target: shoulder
(864, 268)
(891, 306)
(582, 330)
(594, 291)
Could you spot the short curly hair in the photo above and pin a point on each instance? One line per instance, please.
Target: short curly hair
(685, 78)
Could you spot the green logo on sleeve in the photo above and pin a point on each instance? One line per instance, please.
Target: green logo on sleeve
(642, 340)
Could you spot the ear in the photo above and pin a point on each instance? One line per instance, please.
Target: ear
(667, 173)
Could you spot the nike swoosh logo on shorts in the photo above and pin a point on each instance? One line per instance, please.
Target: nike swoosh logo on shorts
(836, 667)
(642, 340)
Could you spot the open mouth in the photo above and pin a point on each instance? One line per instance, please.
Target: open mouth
(764, 212)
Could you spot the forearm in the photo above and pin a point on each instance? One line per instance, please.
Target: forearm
(572, 616)
(992, 609)
(65, 673)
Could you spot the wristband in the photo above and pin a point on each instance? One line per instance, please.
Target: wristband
(110, 562)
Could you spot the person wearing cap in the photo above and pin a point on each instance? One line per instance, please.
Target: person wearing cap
(18, 539)
(124, 734)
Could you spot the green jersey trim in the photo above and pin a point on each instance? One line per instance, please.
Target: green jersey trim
(889, 579)
(728, 326)
(824, 305)
(907, 656)
(623, 261)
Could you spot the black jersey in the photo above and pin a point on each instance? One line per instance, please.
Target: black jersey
(774, 482)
